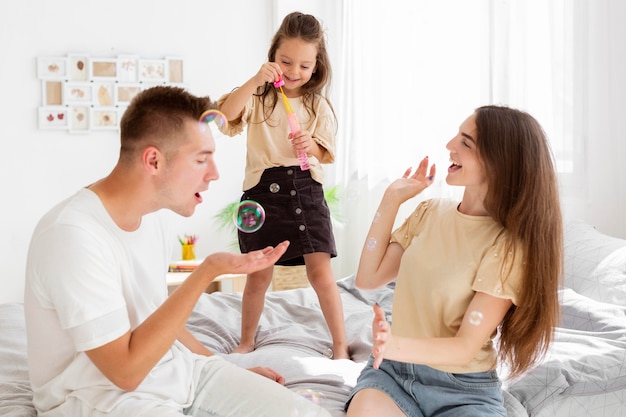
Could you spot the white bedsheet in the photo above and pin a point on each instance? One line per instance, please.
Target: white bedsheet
(583, 375)
(293, 339)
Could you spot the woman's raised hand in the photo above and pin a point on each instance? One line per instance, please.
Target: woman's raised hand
(411, 185)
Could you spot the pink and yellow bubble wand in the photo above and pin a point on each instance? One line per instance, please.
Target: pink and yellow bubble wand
(294, 126)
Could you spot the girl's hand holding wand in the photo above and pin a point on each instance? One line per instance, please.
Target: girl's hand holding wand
(269, 72)
(294, 126)
(301, 141)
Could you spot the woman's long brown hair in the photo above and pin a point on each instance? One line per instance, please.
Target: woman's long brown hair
(523, 196)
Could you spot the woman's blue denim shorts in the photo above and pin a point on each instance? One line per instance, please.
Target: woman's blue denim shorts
(421, 391)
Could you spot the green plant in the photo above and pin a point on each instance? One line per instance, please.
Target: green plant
(333, 199)
(224, 217)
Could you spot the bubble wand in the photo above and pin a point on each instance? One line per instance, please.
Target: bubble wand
(293, 123)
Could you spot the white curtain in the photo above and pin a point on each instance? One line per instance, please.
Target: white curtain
(532, 54)
(412, 71)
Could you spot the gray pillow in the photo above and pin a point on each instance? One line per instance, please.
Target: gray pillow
(595, 263)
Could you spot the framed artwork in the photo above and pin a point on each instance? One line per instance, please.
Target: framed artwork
(103, 118)
(79, 119)
(175, 70)
(78, 93)
(103, 93)
(81, 93)
(52, 68)
(127, 68)
(152, 70)
(51, 93)
(103, 68)
(78, 68)
(145, 86)
(53, 117)
(124, 93)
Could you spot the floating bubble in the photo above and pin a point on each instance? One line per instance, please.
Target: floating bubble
(303, 406)
(371, 243)
(249, 216)
(214, 116)
(475, 318)
(309, 395)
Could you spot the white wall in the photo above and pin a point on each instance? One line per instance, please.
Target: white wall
(223, 43)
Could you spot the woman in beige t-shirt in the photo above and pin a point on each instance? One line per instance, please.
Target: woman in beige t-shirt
(464, 271)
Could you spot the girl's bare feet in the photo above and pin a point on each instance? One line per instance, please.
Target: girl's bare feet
(340, 352)
(243, 349)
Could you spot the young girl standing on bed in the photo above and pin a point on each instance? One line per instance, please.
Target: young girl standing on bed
(293, 198)
(464, 271)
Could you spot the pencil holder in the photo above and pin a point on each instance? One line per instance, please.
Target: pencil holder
(189, 252)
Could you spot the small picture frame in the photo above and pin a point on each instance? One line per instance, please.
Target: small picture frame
(79, 119)
(52, 68)
(175, 73)
(78, 93)
(52, 93)
(127, 68)
(53, 117)
(152, 70)
(104, 94)
(103, 68)
(103, 118)
(124, 93)
(78, 68)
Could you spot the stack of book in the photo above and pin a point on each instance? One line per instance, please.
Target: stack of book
(184, 266)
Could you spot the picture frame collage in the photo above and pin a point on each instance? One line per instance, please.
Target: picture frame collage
(81, 93)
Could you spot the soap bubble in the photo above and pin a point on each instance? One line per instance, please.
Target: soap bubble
(214, 116)
(309, 395)
(475, 318)
(370, 243)
(249, 216)
(302, 406)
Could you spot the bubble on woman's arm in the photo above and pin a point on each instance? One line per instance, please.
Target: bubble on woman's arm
(370, 243)
(475, 318)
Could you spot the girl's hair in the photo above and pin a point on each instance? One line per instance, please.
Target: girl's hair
(523, 196)
(156, 117)
(298, 25)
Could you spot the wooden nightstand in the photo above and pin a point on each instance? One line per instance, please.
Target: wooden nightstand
(223, 283)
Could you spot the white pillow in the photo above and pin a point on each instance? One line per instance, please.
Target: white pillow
(595, 263)
(586, 357)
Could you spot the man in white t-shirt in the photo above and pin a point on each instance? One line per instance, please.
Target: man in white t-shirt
(103, 336)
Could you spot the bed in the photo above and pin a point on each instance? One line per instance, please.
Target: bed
(584, 373)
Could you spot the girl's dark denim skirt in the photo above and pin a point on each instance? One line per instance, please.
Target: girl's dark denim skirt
(295, 210)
